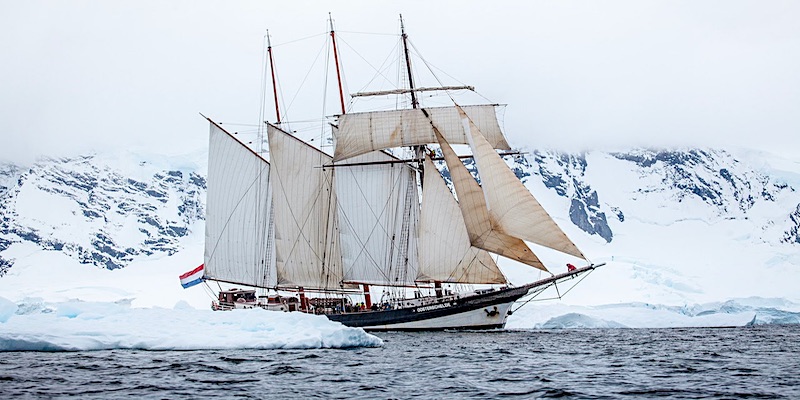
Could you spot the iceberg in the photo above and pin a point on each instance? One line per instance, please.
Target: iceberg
(79, 326)
(7, 309)
(734, 312)
(575, 320)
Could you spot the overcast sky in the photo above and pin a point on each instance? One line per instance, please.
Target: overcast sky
(99, 75)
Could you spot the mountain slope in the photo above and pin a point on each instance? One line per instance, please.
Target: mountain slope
(106, 212)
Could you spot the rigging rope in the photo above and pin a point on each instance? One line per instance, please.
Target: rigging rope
(536, 293)
(378, 71)
(370, 33)
(305, 78)
(299, 40)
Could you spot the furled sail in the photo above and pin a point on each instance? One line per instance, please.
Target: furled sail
(239, 244)
(480, 224)
(445, 252)
(305, 224)
(378, 213)
(512, 207)
(361, 133)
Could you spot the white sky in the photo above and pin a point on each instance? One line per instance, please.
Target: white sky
(83, 75)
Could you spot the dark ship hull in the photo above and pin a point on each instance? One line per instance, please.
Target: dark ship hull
(486, 309)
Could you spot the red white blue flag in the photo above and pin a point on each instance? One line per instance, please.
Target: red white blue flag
(192, 277)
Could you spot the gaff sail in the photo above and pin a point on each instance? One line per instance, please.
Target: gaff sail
(307, 248)
(239, 245)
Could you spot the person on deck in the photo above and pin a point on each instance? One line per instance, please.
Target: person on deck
(570, 267)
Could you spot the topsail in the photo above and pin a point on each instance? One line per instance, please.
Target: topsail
(361, 133)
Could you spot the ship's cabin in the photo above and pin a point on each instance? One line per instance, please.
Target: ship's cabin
(237, 296)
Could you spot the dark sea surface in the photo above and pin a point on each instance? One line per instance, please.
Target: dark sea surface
(752, 362)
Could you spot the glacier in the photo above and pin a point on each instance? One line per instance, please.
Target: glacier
(690, 237)
(35, 325)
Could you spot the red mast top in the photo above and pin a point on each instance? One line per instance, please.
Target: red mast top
(336, 60)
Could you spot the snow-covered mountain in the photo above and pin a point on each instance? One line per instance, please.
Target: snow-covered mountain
(100, 211)
(694, 183)
(676, 227)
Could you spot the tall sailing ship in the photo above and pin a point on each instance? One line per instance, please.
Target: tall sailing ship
(313, 232)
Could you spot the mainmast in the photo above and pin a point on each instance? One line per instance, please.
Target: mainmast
(414, 103)
(274, 86)
(419, 151)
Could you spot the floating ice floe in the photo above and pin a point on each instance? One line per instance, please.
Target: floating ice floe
(76, 326)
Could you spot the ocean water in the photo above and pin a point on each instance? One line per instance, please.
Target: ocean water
(751, 362)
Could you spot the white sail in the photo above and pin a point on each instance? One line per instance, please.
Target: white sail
(445, 252)
(511, 205)
(378, 213)
(239, 244)
(361, 133)
(306, 244)
(481, 226)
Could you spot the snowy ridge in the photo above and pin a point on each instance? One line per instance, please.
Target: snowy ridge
(714, 176)
(702, 179)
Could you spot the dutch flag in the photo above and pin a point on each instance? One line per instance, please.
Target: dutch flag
(192, 277)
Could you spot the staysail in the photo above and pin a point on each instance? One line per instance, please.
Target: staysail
(305, 219)
(482, 228)
(378, 213)
(445, 252)
(361, 133)
(239, 235)
(512, 206)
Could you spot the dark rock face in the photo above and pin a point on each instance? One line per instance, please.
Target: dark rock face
(5, 265)
(565, 174)
(9, 175)
(793, 233)
(595, 224)
(158, 209)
